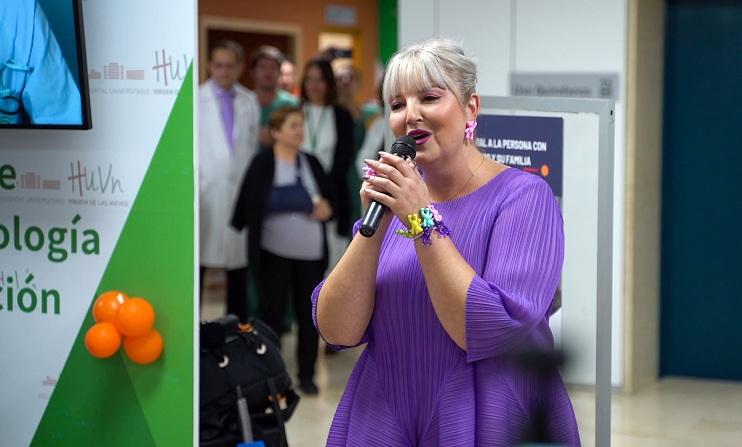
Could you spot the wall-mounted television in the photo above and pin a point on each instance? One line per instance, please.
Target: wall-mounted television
(43, 73)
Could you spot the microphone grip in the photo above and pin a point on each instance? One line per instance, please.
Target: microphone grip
(372, 219)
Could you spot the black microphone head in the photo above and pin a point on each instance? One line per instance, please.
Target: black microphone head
(405, 147)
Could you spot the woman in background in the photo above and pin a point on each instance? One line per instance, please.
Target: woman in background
(328, 135)
(284, 202)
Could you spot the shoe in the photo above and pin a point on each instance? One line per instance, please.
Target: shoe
(308, 387)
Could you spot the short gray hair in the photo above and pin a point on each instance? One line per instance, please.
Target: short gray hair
(436, 62)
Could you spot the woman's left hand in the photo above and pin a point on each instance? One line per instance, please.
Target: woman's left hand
(406, 191)
(322, 210)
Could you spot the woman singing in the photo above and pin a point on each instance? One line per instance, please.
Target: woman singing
(460, 275)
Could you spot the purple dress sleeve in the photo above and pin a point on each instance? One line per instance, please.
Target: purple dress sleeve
(515, 292)
(315, 297)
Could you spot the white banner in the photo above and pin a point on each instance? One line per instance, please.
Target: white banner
(65, 195)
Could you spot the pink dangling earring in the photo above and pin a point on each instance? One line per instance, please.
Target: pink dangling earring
(469, 132)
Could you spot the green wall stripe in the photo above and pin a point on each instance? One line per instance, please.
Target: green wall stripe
(387, 29)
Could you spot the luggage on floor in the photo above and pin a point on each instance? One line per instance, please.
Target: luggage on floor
(245, 355)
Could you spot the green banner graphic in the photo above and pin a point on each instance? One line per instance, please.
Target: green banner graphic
(115, 402)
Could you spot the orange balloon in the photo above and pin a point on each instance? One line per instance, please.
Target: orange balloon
(102, 340)
(145, 349)
(135, 317)
(107, 306)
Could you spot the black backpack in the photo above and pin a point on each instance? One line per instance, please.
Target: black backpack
(247, 355)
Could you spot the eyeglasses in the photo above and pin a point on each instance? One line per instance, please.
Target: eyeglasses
(223, 66)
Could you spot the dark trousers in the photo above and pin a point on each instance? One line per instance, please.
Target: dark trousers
(236, 291)
(278, 278)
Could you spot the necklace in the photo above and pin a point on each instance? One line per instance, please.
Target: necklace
(474, 172)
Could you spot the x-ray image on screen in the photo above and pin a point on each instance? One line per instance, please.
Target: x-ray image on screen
(41, 62)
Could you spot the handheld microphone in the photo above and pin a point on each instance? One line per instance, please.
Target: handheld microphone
(405, 147)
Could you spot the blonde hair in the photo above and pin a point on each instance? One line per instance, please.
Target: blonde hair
(436, 62)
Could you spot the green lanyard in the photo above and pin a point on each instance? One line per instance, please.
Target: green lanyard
(313, 132)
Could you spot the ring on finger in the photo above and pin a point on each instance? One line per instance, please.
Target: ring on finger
(368, 171)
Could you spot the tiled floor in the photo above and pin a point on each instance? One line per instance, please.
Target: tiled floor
(674, 413)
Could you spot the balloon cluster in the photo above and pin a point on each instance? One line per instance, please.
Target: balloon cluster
(117, 316)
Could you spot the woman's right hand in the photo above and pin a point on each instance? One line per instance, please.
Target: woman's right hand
(366, 185)
(396, 183)
(366, 202)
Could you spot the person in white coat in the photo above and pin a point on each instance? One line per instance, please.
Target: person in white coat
(228, 139)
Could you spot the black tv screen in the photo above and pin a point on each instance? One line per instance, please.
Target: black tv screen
(43, 74)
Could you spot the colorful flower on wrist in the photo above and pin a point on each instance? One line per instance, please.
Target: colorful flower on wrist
(423, 224)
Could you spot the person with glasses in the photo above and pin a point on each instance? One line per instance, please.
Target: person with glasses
(228, 139)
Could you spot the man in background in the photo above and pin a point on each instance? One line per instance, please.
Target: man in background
(228, 131)
(265, 68)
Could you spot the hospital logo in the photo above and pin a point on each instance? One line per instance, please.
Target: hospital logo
(164, 76)
(97, 179)
(168, 70)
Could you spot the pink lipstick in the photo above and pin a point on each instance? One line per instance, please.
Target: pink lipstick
(420, 136)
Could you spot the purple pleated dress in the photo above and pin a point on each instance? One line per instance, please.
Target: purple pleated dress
(412, 385)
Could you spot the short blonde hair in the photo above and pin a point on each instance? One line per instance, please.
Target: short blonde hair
(436, 62)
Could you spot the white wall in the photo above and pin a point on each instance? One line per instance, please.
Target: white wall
(540, 36)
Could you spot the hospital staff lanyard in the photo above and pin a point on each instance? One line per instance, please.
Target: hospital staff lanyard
(313, 132)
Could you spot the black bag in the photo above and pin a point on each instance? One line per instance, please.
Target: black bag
(246, 355)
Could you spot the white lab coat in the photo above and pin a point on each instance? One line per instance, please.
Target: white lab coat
(220, 175)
